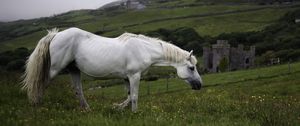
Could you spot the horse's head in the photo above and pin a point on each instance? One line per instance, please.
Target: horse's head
(187, 71)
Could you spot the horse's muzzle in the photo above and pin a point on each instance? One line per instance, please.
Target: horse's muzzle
(196, 85)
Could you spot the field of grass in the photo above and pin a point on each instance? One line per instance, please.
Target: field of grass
(262, 96)
(210, 20)
(216, 25)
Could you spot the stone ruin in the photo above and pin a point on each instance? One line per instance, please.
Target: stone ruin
(236, 58)
(134, 4)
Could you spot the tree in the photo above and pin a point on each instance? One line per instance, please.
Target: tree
(224, 64)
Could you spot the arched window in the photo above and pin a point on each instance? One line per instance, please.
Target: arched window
(247, 61)
(210, 65)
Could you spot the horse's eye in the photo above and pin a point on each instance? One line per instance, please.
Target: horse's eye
(192, 68)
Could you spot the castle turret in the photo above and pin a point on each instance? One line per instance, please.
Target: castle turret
(252, 56)
(252, 50)
(221, 53)
(240, 47)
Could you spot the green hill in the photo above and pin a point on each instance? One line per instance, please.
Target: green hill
(207, 20)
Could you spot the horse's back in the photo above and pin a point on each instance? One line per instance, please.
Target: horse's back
(73, 39)
(98, 56)
(94, 55)
(67, 37)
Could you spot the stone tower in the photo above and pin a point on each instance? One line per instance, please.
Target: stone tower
(237, 58)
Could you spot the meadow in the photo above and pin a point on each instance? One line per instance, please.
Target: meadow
(261, 96)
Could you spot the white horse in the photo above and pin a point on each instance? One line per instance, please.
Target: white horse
(126, 56)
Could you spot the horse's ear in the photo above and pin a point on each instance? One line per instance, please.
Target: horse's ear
(190, 55)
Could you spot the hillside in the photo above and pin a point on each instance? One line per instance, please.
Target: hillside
(207, 20)
(188, 24)
(264, 96)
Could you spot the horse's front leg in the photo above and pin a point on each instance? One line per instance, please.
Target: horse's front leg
(134, 90)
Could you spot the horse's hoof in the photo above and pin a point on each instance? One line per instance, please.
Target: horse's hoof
(86, 108)
(134, 110)
(118, 106)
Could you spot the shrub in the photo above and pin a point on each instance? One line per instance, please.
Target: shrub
(151, 78)
(21, 53)
(4, 60)
(266, 57)
(17, 64)
(224, 63)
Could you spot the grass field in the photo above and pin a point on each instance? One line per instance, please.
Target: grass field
(211, 20)
(262, 96)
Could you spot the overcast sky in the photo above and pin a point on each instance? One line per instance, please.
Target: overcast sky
(26, 9)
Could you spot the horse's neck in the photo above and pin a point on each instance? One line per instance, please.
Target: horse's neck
(164, 60)
(155, 52)
(159, 52)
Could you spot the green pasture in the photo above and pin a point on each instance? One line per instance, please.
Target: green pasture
(266, 96)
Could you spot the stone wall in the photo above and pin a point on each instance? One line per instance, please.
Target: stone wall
(238, 57)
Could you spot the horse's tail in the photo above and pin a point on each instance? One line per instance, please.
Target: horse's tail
(37, 68)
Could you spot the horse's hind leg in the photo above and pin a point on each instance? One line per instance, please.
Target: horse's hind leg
(127, 101)
(76, 80)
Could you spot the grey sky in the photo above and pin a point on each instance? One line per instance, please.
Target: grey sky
(26, 9)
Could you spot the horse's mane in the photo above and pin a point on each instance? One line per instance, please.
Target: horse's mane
(171, 52)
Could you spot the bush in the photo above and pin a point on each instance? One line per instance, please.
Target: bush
(22, 53)
(14, 60)
(151, 78)
(17, 64)
(294, 55)
(266, 57)
(4, 60)
(224, 63)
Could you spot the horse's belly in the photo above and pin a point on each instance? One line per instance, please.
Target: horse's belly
(101, 67)
(100, 59)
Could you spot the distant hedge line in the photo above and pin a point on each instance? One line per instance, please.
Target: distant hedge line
(14, 60)
(281, 39)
